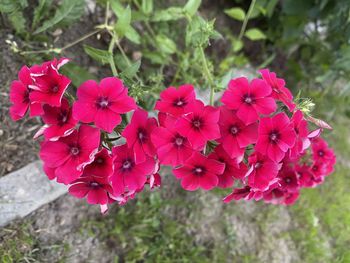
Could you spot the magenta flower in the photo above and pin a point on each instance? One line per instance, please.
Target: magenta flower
(235, 135)
(69, 155)
(276, 136)
(249, 99)
(279, 91)
(48, 86)
(289, 180)
(102, 166)
(173, 100)
(199, 172)
(199, 124)
(59, 120)
(19, 96)
(233, 169)
(172, 148)
(238, 194)
(96, 188)
(302, 141)
(102, 103)
(129, 175)
(262, 172)
(138, 135)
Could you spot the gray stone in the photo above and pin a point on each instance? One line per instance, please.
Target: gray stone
(25, 190)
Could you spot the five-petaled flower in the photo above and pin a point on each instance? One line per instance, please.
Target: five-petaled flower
(199, 172)
(102, 103)
(249, 99)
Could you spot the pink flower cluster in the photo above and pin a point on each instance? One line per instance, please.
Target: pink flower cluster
(257, 142)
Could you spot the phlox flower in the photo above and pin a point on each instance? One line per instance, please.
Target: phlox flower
(239, 193)
(249, 99)
(262, 172)
(172, 148)
(102, 166)
(102, 103)
(59, 121)
(48, 85)
(279, 91)
(19, 96)
(138, 135)
(233, 169)
(69, 155)
(276, 136)
(199, 124)
(129, 175)
(96, 188)
(199, 172)
(235, 135)
(173, 100)
(302, 140)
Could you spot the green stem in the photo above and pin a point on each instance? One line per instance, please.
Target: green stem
(208, 75)
(245, 22)
(111, 57)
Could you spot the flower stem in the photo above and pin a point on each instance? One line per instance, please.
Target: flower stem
(246, 19)
(111, 58)
(208, 75)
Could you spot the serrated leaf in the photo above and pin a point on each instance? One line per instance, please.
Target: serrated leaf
(236, 13)
(123, 22)
(166, 44)
(102, 56)
(67, 12)
(192, 6)
(147, 6)
(131, 70)
(77, 74)
(255, 34)
(172, 13)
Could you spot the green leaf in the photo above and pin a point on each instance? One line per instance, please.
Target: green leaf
(172, 13)
(40, 11)
(18, 21)
(192, 6)
(132, 35)
(255, 34)
(123, 22)
(67, 12)
(131, 70)
(166, 44)
(99, 55)
(154, 57)
(237, 45)
(11, 6)
(77, 74)
(236, 13)
(117, 7)
(147, 6)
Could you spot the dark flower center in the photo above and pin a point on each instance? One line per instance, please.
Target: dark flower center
(179, 140)
(234, 129)
(199, 170)
(320, 153)
(62, 117)
(102, 103)
(197, 123)
(274, 136)
(127, 164)
(54, 89)
(94, 185)
(257, 165)
(180, 102)
(248, 99)
(288, 180)
(142, 135)
(99, 160)
(74, 150)
(26, 97)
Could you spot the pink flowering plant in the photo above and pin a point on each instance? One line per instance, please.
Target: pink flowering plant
(256, 140)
